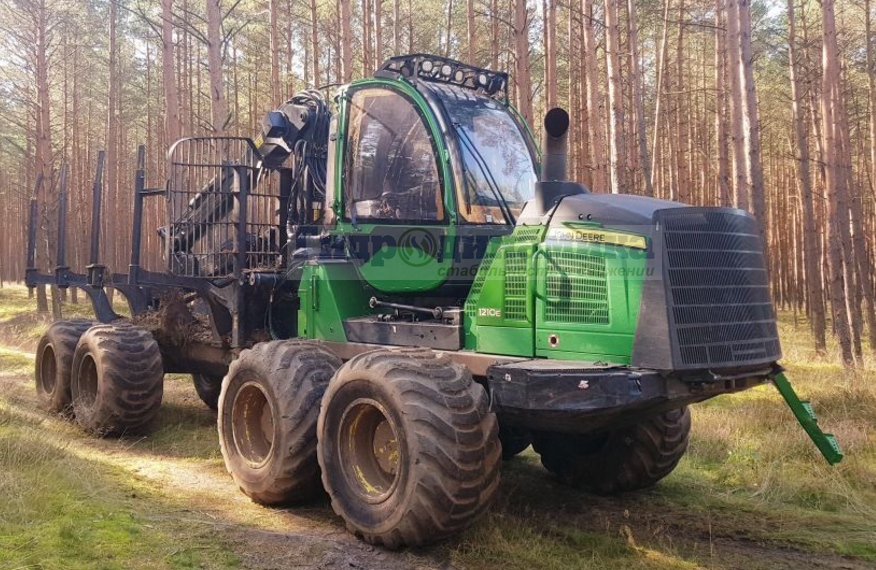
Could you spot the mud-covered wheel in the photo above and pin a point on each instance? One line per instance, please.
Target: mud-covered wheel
(54, 363)
(626, 459)
(117, 379)
(408, 448)
(268, 411)
(514, 440)
(208, 388)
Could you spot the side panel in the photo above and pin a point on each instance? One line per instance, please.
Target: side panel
(587, 301)
(500, 309)
(329, 292)
(402, 259)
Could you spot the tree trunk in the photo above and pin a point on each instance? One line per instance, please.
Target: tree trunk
(638, 100)
(367, 44)
(448, 29)
(410, 27)
(550, 63)
(472, 33)
(750, 117)
(314, 39)
(838, 206)
(171, 94)
(43, 158)
(396, 27)
(810, 232)
(737, 136)
(660, 95)
(494, 34)
(723, 181)
(521, 48)
(615, 98)
(682, 174)
(595, 106)
(346, 41)
(871, 93)
(214, 63)
(112, 138)
(378, 32)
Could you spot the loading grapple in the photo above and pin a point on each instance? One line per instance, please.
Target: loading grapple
(386, 300)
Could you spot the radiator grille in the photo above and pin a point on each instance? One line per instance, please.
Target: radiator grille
(576, 289)
(720, 308)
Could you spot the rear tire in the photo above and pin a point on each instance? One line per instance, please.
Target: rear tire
(408, 448)
(626, 459)
(208, 389)
(54, 363)
(117, 379)
(268, 411)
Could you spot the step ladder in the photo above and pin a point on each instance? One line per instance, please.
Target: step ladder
(825, 442)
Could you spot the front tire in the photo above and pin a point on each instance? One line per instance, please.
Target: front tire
(54, 364)
(626, 459)
(117, 379)
(268, 411)
(408, 448)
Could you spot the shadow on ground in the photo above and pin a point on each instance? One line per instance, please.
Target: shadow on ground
(164, 500)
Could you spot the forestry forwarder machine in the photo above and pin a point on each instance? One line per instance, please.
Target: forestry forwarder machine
(386, 301)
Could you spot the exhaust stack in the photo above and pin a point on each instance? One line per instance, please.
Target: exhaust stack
(555, 145)
(553, 184)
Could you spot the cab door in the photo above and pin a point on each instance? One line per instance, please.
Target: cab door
(395, 209)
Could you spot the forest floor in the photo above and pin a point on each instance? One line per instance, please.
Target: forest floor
(750, 494)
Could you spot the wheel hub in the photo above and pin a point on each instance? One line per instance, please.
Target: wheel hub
(48, 370)
(369, 450)
(253, 425)
(86, 382)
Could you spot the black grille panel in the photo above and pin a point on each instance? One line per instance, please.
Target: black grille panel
(720, 310)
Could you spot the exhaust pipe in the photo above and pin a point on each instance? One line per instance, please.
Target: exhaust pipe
(555, 145)
(553, 184)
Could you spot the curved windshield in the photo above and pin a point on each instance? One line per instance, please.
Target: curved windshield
(498, 167)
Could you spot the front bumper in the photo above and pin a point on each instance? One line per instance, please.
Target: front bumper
(584, 397)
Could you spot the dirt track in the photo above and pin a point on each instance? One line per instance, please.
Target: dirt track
(195, 490)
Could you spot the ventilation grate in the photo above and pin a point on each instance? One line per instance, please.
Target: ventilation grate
(521, 234)
(515, 285)
(720, 308)
(576, 289)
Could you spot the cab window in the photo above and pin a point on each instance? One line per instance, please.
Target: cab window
(499, 169)
(390, 172)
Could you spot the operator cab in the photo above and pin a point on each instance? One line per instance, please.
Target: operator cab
(432, 162)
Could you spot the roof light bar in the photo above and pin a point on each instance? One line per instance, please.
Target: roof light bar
(445, 70)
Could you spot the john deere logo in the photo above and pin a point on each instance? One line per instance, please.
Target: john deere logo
(417, 247)
(597, 236)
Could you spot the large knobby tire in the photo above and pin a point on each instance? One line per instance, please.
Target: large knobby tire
(626, 459)
(409, 450)
(54, 362)
(268, 411)
(208, 389)
(117, 380)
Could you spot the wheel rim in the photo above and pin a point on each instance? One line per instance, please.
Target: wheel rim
(252, 424)
(369, 450)
(86, 382)
(48, 370)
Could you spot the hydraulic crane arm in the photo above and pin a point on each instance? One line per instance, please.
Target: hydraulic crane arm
(293, 137)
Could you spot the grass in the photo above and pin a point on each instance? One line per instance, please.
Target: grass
(63, 511)
(752, 492)
(750, 473)
(22, 326)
